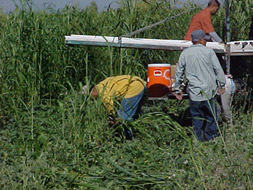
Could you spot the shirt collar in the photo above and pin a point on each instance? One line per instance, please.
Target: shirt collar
(207, 10)
(197, 45)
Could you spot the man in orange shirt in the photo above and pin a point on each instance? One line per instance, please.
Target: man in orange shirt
(202, 21)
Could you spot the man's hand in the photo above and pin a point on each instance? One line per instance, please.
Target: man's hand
(220, 91)
(178, 95)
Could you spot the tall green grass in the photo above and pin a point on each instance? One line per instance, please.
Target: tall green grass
(53, 137)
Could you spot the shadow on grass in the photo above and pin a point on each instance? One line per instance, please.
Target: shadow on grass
(177, 110)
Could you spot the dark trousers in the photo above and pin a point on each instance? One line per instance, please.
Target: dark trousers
(204, 119)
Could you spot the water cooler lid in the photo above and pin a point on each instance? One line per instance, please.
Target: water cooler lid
(159, 65)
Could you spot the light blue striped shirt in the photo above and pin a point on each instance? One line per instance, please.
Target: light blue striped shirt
(202, 69)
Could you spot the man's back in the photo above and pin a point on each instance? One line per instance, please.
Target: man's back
(201, 20)
(202, 69)
(122, 86)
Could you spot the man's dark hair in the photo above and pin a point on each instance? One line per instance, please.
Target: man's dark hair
(213, 2)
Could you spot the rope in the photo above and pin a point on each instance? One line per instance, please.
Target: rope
(157, 23)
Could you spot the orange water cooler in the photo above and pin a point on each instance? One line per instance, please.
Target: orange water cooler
(159, 79)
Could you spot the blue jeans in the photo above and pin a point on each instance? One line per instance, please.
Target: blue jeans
(204, 119)
(131, 107)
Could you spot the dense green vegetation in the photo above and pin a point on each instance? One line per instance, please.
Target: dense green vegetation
(53, 137)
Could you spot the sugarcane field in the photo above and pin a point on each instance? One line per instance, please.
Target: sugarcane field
(138, 94)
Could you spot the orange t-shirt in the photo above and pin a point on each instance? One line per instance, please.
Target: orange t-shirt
(201, 20)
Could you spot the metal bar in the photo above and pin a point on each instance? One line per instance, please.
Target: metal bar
(228, 20)
(148, 58)
(228, 49)
(236, 48)
(138, 43)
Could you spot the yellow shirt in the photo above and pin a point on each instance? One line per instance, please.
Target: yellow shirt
(118, 87)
